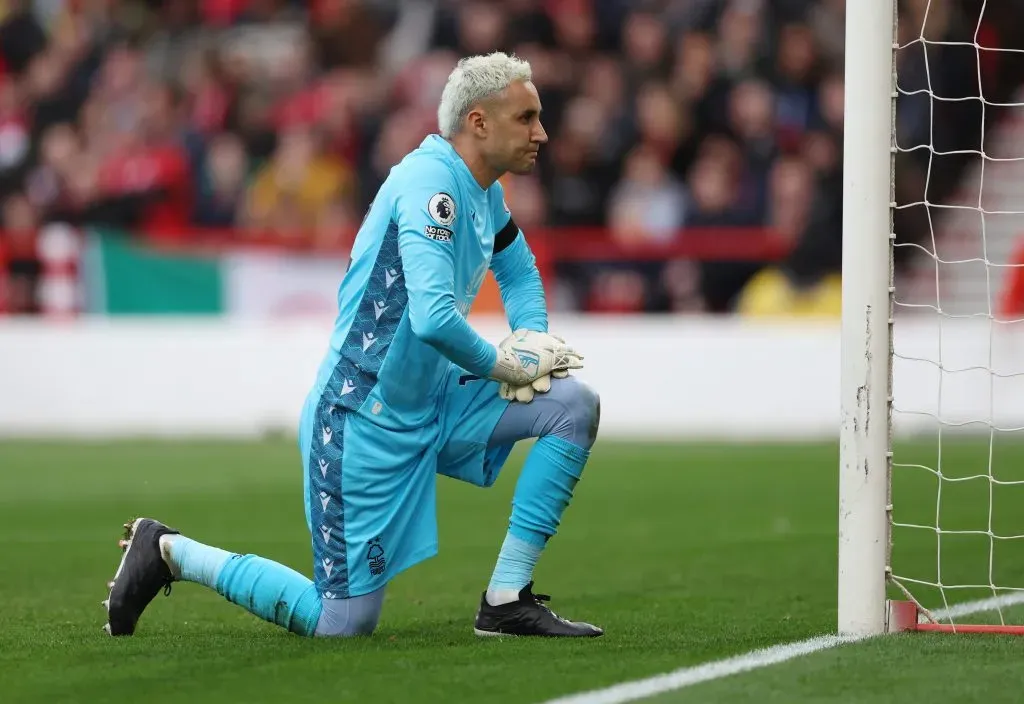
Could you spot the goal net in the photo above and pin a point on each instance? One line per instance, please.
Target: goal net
(932, 442)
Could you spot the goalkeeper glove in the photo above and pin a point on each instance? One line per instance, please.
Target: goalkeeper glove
(524, 393)
(526, 355)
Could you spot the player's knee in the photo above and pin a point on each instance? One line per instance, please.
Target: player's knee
(363, 622)
(357, 616)
(582, 406)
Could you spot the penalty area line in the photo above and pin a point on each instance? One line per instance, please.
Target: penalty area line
(753, 660)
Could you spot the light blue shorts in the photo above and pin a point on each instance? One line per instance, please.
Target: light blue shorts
(370, 492)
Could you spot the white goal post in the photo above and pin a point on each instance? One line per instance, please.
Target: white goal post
(867, 287)
(958, 340)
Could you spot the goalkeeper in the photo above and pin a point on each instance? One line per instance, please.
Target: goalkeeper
(407, 390)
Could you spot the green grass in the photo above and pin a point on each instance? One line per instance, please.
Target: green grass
(684, 553)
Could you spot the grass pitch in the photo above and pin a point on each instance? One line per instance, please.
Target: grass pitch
(683, 553)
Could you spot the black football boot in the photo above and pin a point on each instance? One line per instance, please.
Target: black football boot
(528, 617)
(140, 576)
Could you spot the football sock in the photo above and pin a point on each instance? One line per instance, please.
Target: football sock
(542, 493)
(192, 561)
(512, 571)
(273, 592)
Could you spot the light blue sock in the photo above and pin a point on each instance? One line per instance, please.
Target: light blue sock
(263, 587)
(545, 487)
(542, 493)
(515, 564)
(197, 562)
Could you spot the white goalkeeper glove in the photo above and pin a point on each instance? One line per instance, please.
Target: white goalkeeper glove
(526, 346)
(527, 355)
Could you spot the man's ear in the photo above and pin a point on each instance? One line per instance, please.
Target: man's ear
(477, 121)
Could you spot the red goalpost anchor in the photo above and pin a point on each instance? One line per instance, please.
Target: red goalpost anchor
(905, 616)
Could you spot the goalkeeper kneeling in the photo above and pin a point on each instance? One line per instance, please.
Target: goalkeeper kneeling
(408, 390)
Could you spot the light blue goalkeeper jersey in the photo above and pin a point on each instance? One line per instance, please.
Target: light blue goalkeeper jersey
(418, 261)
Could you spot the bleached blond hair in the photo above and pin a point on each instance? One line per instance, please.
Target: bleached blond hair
(477, 78)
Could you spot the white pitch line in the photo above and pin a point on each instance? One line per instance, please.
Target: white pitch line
(966, 608)
(755, 659)
(688, 676)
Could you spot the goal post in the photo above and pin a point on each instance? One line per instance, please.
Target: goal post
(951, 343)
(866, 339)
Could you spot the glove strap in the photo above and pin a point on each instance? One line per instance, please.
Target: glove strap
(507, 368)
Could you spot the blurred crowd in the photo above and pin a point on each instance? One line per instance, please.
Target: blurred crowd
(179, 119)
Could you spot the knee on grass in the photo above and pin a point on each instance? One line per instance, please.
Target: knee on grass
(356, 616)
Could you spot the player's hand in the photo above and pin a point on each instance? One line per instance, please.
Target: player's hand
(526, 356)
(543, 384)
(525, 393)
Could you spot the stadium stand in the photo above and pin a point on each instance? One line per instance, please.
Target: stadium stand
(695, 154)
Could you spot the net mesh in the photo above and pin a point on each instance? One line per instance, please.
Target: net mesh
(957, 485)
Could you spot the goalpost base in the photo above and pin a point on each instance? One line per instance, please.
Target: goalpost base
(904, 616)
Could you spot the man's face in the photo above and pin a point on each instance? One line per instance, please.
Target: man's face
(514, 133)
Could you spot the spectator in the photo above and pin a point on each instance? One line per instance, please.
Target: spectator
(645, 46)
(649, 203)
(739, 39)
(752, 121)
(15, 138)
(291, 193)
(222, 182)
(796, 83)
(22, 265)
(47, 185)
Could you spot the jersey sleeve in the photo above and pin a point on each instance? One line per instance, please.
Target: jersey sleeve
(426, 212)
(515, 270)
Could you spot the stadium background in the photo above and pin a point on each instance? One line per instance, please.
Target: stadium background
(694, 164)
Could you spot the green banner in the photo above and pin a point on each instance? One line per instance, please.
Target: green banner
(127, 277)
